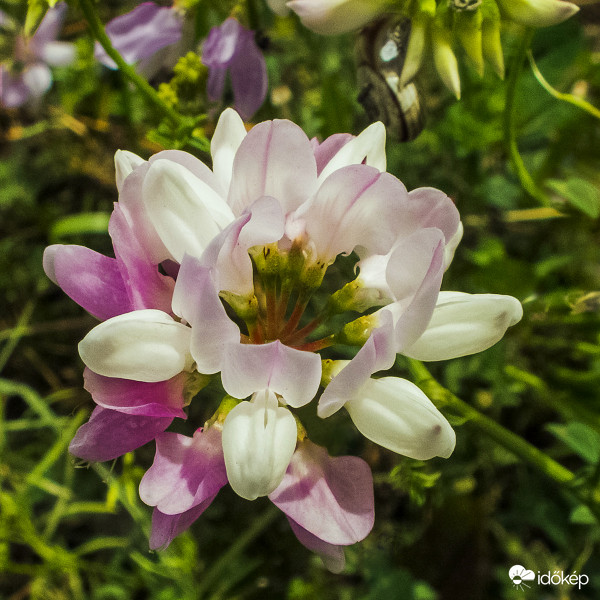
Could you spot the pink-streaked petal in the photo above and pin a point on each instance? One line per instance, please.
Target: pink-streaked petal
(274, 159)
(464, 324)
(410, 261)
(186, 471)
(332, 555)
(109, 434)
(294, 374)
(144, 345)
(132, 203)
(397, 415)
(146, 287)
(165, 528)
(327, 149)
(159, 399)
(356, 206)
(259, 438)
(141, 32)
(93, 280)
(377, 354)
(197, 301)
(215, 86)
(228, 255)
(330, 497)
(368, 147)
(429, 207)
(228, 136)
(412, 314)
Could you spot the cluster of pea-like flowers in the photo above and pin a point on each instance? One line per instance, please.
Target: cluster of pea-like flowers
(441, 25)
(25, 73)
(153, 37)
(227, 273)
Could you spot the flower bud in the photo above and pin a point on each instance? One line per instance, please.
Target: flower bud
(259, 438)
(415, 49)
(538, 13)
(490, 36)
(444, 58)
(468, 27)
(397, 415)
(330, 17)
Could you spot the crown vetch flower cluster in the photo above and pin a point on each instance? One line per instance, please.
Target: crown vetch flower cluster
(213, 273)
(26, 74)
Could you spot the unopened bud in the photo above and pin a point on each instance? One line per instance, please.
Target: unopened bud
(445, 59)
(468, 28)
(538, 13)
(415, 49)
(490, 38)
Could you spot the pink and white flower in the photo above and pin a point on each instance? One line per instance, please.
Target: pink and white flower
(245, 246)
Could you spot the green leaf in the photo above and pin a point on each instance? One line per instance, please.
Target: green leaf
(83, 223)
(580, 438)
(582, 515)
(36, 10)
(579, 193)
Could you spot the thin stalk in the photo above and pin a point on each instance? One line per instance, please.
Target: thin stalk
(569, 98)
(290, 326)
(316, 345)
(510, 135)
(220, 566)
(512, 442)
(99, 33)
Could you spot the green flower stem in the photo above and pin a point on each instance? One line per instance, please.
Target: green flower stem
(219, 567)
(569, 98)
(515, 444)
(98, 31)
(523, 174)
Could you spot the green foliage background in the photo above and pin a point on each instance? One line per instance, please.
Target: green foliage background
(445, 529)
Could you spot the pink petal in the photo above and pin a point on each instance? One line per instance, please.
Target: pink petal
(294, 374)
(109, 434)
(93, 280)
(274, 159)
(160, 399)
(186, 471)
(326, 150)
(376, 355)
(197, 301)
(330, 497)
(147, 288)
(356, 206)
(141, 32)
(332, 555)
(165, 528)
(228, 255)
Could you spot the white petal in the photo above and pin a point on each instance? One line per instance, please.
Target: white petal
(397, 415)
(186, 212)
(464, 324)
(259, 438)
(125, 163)
(38, 79)
(225, 142)
(58, 54)
(369, 145)
(143, 345)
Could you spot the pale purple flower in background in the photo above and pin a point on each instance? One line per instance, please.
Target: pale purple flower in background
(148, 36)
(28, 77)
(231, 48)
